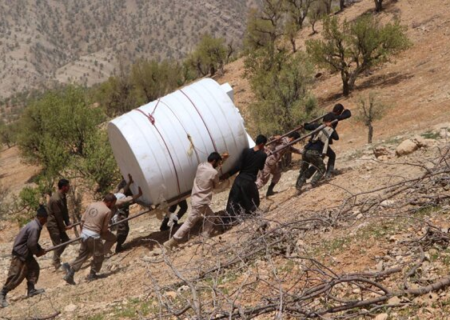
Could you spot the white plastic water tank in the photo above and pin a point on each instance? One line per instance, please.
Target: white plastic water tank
(161, 143)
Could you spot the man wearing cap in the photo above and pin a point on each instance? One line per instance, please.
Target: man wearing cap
(58, 220)
(23, 264)
(121, 211)
(95, 227)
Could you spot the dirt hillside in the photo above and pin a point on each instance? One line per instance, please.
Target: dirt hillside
(383, 220)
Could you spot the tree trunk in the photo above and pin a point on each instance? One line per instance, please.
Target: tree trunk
(294, 47)
(352, 79)
(212, 70)
(370, 136)
(341, 5)
(378, 5)
(345, 85)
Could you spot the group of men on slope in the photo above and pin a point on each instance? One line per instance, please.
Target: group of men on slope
(255, 167)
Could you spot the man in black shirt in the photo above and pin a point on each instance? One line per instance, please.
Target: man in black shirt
(244, 195)
(316, 150)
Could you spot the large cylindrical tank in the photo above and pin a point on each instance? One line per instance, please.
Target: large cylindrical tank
(161, 143)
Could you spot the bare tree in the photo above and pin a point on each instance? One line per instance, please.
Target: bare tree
(371, 110)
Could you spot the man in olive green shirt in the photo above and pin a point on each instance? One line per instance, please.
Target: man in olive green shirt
(58, 220)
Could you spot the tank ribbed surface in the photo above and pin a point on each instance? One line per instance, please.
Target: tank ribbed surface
(161, 143)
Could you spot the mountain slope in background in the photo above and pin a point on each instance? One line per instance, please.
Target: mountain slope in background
(61, 41)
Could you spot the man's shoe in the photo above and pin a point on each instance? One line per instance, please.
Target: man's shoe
(35, 292)
(170, 244)
(164, 225)
(92, 276)
(32, 291)
(3, 302)
(69, 274)
(57, 265)
(65, 267)
(270, 191)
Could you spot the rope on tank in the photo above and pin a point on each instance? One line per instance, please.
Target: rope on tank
(203, 120)
(192, 147)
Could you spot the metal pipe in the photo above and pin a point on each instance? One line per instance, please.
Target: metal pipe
(114, 224)
(293, 130)
(301, 138)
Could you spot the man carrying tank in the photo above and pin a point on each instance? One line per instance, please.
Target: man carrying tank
(206, 180)
(94, 224)
(23, 264)
(244, 195)
(172, 217)
(316, 150)
(272, 165)
(121, 211)
(58, 220)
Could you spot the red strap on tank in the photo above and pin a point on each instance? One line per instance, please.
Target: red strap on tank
(152, 121)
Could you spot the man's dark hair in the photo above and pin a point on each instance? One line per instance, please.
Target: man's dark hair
(62, 183)
(109, 197)
(41, 212)
(260, 139)
(338, 108)
(295, 135)
(214, 157)
(329, 117)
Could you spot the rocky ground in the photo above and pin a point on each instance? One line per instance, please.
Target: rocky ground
(142, 283)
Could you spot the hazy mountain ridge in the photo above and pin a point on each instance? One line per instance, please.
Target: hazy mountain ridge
(42, 42)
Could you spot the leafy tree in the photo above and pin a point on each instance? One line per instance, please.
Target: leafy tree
(371, 110)
(297, 11)
(152, 80)
(56, 127)
(315, 14)
(326, 5)
(209, 56)
(8, 134)
(29, 200)
(352, 48)
(281, 89)
(115, 95)
(265, 26)
(99, 165)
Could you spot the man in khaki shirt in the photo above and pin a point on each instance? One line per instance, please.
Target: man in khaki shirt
(206, 180)
(94, 224)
